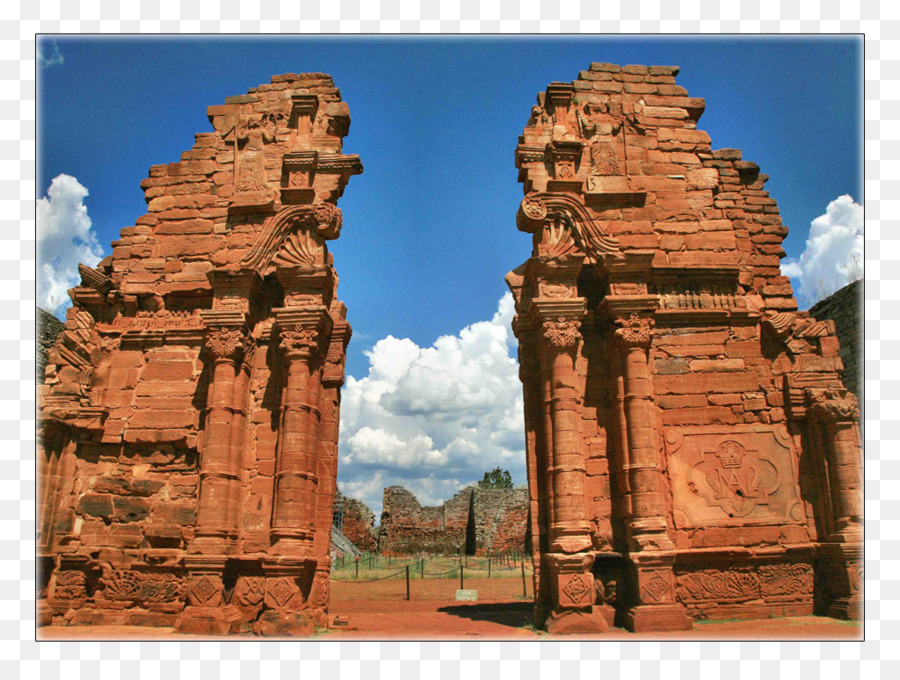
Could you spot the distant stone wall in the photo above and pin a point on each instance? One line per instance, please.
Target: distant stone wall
(357, 522)
(475, 519)
(845, 308)
(48, 327)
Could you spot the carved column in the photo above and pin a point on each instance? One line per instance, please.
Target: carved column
(571, 582)
(293, 515)
(536, 454)
(836, 411)
(216, 529)
(570, 531)
(219, 473)
(647, 528)
(652, 552)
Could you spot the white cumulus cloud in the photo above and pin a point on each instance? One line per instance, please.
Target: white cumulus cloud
(48, 54)
(434, 418)
(833, 256)
(64, 238)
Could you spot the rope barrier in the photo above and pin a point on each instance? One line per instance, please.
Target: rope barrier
(371, 580)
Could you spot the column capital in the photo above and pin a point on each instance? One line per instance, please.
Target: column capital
(561, 335)
(226, 343)
(832, 405)
(301, 331)
(636, 332)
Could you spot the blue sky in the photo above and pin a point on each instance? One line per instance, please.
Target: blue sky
(429, 228)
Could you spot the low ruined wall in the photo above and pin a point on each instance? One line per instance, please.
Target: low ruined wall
(845, 308)
(357, 522)
(475, 519)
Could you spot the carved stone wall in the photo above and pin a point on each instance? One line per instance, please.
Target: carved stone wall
(475, 520)
(689, 442)
(189, 415)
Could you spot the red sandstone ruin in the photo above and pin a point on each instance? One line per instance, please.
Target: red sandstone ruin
(691, 450)
(189, 415)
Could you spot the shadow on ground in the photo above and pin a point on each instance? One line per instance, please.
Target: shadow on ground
(505, 613)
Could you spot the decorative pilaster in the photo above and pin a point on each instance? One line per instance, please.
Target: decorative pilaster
(652, 553)
(570, 531)
(836, 411)
(220, 468)
(647, 528)
(293, 517)
(536, 462)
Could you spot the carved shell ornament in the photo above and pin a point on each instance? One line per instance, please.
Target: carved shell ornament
(586, 230)
(294, 236)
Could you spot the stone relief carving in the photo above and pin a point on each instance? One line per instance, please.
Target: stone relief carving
(635, 331)
(785, 580)
(224, 343)
(713, 585)
(722, 476)
(141, 587)
(562, 334)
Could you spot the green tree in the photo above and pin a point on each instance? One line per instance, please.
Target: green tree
(496, 479)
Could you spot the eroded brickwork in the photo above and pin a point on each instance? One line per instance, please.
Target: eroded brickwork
(189, 415)
(844, 308)
(691, 449)
(357, 522)
(476, 520)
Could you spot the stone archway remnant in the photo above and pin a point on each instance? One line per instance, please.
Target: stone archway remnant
(189, 414)
(691, 451)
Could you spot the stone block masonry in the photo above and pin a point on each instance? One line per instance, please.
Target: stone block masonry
(476, 521)
(189, 414)
(357, 522)
(844, 308)
(691, 449)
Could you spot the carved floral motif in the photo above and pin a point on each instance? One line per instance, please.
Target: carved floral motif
(833, 405)
(785, 579)
(298, 341)
(224, 343)
(137, 586)
(318, 596)
(562, 334)
(636, 332)
(717, 586)
(70, 585)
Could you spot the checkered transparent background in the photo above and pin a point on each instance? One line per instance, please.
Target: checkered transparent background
(21, 656)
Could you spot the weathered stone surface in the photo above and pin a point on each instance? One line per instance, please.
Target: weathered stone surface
(156, 446)
(476, 521)
(687, 335)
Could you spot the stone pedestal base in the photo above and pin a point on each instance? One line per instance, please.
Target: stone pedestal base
(273, 623)
(209, 621)
(847, 609)
(662, 617)
(574, 622)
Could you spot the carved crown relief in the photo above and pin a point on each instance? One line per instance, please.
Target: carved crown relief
(732, 476)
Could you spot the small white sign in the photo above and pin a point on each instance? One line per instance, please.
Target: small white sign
(471, 595)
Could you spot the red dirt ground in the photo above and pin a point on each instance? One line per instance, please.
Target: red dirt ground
(379, 610)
